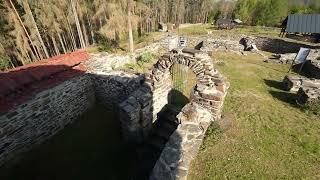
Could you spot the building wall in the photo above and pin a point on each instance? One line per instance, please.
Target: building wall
(45, 115)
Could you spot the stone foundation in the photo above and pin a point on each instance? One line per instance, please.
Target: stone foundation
(45, 115)
(139, 111)
(183, 145)
(112, 88)
(308, 95)
(136, 98)
(312, 68)
(49, 111)
(293, 83)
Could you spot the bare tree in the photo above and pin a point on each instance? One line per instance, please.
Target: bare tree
(129, 9)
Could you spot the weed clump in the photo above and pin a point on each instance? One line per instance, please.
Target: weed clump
(145, 58)
(312, 108)
(106, 44)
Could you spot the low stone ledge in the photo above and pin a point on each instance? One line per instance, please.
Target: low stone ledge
(308, 95)
(294, 83)
(312, 67)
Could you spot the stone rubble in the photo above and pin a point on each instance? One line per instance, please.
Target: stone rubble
(288, 58)
(312, 67)
(308, 96)
(294, 83)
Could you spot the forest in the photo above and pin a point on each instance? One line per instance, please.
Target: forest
(32, 30)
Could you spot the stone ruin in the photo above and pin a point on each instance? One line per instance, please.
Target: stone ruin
(138, 100)
(205, 106)
(307, 89)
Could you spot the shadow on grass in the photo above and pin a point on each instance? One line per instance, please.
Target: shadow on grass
(274, 84)
(286, 97)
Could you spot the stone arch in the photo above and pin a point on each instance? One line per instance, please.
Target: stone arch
(140, 110)
(209, 91)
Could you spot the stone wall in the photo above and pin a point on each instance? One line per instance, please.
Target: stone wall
(43, 116)
(135, 114)
(114, 87)
(308, 96)
(139, 111)
(205, 107)
(273, 45)
(211, 44)
(312, 68)
(183, 145)
(209, 92)
(161, 89)
(280, 46)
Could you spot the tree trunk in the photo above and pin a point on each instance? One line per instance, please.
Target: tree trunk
(40, 54)
(130, 26)
(67, 43)
(73, 40)
(76, 18)
(62, 44)
(56, 49)
(84, 29)
(91, 32)
(24, 28)
(28, 11)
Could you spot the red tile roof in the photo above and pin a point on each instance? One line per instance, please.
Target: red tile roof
(21, 84)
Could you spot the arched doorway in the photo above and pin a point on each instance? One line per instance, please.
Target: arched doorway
(183, 81)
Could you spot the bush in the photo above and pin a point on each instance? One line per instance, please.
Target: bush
(130, 66)
(4, 63)
(105, 44)
(312, 108)
(145, 58)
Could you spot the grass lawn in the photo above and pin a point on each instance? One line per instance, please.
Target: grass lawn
(236, 32)
(269, 137)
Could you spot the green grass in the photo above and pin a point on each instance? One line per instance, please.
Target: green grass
(269, 137)
(236, 32)
(91, 148)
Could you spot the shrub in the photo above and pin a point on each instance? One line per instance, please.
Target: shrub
(145, 58)
(130, 66)
(106, 44)
(312, 107)
(4, 63)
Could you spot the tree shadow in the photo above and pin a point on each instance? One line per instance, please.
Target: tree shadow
(289, 98)
(274, 84)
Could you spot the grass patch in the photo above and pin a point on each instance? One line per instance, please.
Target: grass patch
(270, 137)
(312, 108)
(236, 32)
(143, 63)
